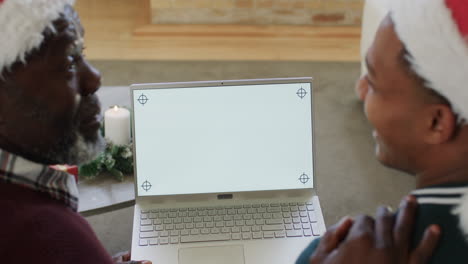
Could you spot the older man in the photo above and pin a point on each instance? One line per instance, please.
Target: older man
(49, 114)
(416, 98)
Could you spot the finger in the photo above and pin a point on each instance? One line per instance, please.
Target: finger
(342, 231)
(331, 240)
(332, 257)
(427, 245)
(403, 229)
(362, 229)
(118, 257)
(126, 256)
(335, 235)
(384, 228)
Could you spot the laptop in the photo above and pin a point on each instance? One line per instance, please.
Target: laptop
(224, 172)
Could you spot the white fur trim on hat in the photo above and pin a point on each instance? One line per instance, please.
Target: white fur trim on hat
(22, 23)
(438, 49)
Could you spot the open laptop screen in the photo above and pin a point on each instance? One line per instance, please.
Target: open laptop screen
(223, 139)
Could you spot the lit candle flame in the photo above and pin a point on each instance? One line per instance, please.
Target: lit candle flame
(116, 108)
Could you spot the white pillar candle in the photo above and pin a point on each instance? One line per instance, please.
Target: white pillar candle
(117, 125)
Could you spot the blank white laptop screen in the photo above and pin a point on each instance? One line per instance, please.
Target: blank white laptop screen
(223, 139)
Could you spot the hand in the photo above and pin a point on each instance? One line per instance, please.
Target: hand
(332, 238)
(382, 241)
(124, 258)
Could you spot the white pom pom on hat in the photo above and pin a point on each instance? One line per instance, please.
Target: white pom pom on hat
(22, 23)
(435, 33)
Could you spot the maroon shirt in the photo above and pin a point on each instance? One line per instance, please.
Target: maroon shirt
(35, 228)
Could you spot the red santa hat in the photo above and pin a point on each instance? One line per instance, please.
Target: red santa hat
(22, 23)
(435, 33)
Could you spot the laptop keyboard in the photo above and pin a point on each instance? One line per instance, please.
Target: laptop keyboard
(226, 223)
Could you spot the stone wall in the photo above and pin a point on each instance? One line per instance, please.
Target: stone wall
(261, 12)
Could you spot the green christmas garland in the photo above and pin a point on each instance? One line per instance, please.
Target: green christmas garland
(116, 160)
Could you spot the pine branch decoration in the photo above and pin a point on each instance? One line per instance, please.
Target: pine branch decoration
(116, 160)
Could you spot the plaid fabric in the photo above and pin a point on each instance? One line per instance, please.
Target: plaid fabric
(57, 184)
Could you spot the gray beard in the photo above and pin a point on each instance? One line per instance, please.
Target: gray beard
(75, 150)
(82, 152)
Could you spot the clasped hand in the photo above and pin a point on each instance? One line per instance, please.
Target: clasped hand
(387, 239)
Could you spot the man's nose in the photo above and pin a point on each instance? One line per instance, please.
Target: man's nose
(90, 79)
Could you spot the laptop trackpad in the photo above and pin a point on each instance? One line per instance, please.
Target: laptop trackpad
(212, 255)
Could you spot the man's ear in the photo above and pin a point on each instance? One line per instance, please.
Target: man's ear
(440, 124)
